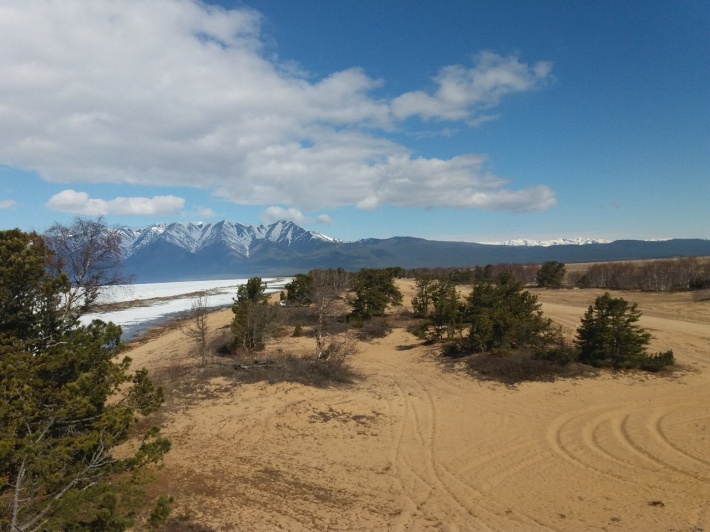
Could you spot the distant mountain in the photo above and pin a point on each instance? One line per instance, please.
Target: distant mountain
(546, 243)
(194, 237)
(179, 250)
(190, 251)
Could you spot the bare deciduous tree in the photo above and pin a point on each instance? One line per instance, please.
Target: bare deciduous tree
(197, 328)
(89, 253)
(338, 350)
(328, 287)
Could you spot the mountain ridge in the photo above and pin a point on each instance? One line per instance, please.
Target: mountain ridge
(552, 242)
(198, 250)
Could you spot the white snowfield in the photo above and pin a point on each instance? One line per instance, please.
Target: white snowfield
(548, 243)
(220, 293)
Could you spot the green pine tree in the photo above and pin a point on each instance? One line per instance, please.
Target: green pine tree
(254, 318)
(609, 336)
(551, 274)
(374, 292)
(58, 428)
(503, 315)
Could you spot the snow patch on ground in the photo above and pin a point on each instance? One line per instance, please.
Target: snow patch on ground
(134, 320)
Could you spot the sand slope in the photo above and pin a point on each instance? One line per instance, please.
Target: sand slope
(416, 446)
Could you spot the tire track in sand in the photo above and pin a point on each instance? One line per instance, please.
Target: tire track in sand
(427, 434)
(473, 498)
(399, 464)
(620, 443)
(424, 491)
(563, 437)
(656, 424)
(432, 495)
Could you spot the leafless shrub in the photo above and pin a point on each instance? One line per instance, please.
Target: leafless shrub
(374, 328)
(331, 368)
(339, 348)
(173, 371)
(688, 273)
(328, 288)
(290, 367)
(172, 375)
(221, 343)
(303, 316)
(196, 327)
(515, 368)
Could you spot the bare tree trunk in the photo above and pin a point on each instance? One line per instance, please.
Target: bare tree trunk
(328, 285)
(198, 329)
(16, 497)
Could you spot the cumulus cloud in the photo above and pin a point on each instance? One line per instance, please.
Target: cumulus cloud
(324, 219)
(91, 93)
(80, 203)
(274, 214)
(460, 183)
(206, 212)
(7, 204)
(462, 91)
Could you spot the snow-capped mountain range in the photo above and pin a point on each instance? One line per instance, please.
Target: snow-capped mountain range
(547, 243)
(195, 236)
(224, 250)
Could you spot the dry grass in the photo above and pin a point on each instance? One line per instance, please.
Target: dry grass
(184, 379)
(373, 329)
(515, 368)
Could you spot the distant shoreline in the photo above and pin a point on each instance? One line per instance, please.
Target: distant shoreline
(149, 306)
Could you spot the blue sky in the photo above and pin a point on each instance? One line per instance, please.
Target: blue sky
(450, 120)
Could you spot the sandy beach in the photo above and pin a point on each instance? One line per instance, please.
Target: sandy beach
(416, 444)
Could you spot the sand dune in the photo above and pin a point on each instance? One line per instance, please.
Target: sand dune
(416, 445)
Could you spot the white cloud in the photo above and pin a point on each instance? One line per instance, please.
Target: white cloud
(206, 212)
(460, 183)
(7, 204)
(80, 203)
(462, 91)
(274, 214)
(178, 93)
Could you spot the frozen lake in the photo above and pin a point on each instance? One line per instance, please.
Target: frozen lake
(148, 311)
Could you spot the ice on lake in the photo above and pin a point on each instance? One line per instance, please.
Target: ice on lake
(151, 309)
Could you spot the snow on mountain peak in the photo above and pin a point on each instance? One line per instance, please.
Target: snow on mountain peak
(547, 243)
(195, 236)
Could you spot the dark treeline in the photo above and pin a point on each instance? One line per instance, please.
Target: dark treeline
(655, 276)
(524, 273)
